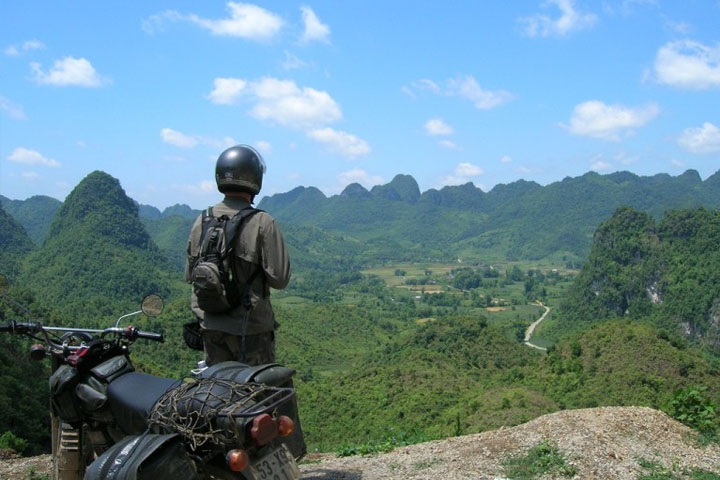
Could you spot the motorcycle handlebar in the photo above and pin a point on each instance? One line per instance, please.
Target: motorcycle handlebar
(20, 327)
(156, 337)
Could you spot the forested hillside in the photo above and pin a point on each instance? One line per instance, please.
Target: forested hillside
(14, 243)
(35, 214)
(666, 272)
(97, 255)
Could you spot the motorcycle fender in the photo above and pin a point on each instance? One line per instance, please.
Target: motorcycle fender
(144, 457)
(269, 374)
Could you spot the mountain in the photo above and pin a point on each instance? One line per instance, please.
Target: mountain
(14, 244)
(148, 211)
(402, 187)
(182, 211)
(666, 271)
(521, 220)
(97, 253)
(177, 210)
(35, 214)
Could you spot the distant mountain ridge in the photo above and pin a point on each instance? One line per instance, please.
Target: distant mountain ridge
(520, 220)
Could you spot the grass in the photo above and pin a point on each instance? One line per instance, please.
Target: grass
(657, 471)
(543, 458)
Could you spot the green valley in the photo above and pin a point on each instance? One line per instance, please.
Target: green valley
(406, 313)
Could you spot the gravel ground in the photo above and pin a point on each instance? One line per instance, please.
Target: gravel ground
(601, 443)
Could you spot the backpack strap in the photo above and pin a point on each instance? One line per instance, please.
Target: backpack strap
(232, 230)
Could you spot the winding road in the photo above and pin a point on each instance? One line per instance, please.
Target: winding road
(531, 328)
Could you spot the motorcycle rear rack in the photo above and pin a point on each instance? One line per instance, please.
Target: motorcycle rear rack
(276, 397)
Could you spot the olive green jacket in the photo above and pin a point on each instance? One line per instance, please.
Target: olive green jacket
(259, 245)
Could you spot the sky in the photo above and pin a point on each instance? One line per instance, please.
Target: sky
(333, 92)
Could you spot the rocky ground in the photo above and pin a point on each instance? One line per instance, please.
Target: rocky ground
(600, 443)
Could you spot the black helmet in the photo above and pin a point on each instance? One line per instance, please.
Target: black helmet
(239, 169)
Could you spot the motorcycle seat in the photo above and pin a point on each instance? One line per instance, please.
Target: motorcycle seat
(132, 397)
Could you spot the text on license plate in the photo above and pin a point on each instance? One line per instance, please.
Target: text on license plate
(277, 465)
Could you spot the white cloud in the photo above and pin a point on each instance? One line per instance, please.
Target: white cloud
(678, 27)
(436, 126)
(173, 137)
(408, 91)
(570, 19)
(609, 122)
(246, 21)
(32, 45)
(315, 30)
(26, 156)
(69, 71)
(292, 62)
(30, 175)
(264, 147)
(227, 91)
(15, 111)
(463, 173)
(524, 170)
(688, 64)
(465, 87)
(449, 145)
(279, 101)
(360, 176)
(205, 187)
(179, 139)
(705, 139)
(506, 159)
(14, 50)
(218, 143)
(623, 158)
(340, 142)
(600, 166)
(677, 163)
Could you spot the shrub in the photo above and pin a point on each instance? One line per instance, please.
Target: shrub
(9, 440)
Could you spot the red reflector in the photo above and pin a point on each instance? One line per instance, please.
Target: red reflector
(285, 425)
(264, 429)
(237, 460)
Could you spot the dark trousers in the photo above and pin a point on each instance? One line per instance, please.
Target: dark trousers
(253, 349)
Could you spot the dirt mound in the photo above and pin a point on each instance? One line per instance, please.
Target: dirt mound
(598, 443)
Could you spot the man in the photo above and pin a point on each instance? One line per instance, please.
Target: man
(260, 260)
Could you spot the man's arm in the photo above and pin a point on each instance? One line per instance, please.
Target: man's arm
(193, 240)
(276, 262)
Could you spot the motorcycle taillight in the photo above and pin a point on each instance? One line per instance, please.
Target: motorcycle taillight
(264, 429)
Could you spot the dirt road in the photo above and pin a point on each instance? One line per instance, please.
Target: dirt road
(531, 328)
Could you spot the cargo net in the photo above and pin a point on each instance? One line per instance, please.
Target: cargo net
(214, 410)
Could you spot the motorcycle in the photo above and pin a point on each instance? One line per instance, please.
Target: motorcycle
(228, 421)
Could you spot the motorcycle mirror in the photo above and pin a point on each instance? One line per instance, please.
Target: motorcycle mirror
(4, 283)
(152, 305)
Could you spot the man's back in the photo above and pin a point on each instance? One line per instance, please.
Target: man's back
(260, 245)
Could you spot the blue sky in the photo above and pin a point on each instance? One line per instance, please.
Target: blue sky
(356, 91)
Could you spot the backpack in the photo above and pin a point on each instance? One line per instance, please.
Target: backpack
(213, 271)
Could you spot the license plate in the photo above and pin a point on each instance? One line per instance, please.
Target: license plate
(277, 465)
